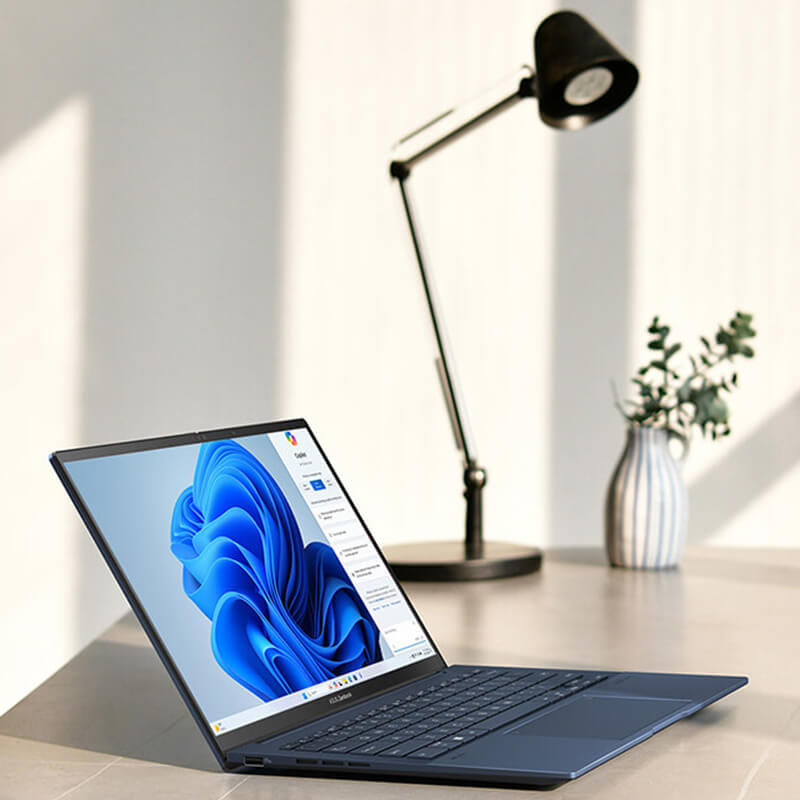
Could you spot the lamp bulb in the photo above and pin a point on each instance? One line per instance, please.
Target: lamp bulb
(588, 86)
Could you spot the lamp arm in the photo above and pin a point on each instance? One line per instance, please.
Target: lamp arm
(449, 388)
(401, 168)
(474, 475)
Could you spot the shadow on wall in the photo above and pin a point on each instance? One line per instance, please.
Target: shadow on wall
(179, 322)
(751, 468)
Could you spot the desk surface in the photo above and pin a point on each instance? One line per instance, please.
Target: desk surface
(110, 724)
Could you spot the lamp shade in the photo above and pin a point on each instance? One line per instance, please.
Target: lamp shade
(580, 76)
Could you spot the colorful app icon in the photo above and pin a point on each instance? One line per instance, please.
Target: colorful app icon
(291, 438)
(317, 485)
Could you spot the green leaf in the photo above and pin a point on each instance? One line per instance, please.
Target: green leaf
(735, 379)
(718, 410)
(742, 329)
(670, 351)
(662, 365)
(706, 343)
(643, 370)
(652, 406)
(656, 344)
(747, 351)
(705, 361)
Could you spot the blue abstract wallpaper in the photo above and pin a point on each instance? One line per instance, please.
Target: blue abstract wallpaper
(284, 615)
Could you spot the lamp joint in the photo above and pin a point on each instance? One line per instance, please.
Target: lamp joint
(527, 86)
(399, 170)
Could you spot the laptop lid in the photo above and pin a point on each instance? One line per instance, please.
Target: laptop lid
(253, 574)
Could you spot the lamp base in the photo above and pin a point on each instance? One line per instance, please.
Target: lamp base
(447, 561)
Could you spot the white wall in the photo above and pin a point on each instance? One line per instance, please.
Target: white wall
(140, 191)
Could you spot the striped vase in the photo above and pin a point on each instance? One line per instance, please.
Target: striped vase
(647, 505)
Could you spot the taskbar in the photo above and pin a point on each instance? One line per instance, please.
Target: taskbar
(267, 709)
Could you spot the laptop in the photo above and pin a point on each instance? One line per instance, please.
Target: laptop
(297, 651)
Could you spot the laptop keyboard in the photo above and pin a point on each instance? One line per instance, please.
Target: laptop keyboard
(445, 715)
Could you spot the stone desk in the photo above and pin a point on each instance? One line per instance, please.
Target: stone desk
(111, 725)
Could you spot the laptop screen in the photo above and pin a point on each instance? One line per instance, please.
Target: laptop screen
(254, 569)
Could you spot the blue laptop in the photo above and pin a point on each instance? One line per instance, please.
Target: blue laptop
(295, 648)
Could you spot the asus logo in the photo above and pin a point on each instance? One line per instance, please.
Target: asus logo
(339, 698)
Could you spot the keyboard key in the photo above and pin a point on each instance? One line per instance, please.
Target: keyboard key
(359, 727)
(551, 683)
(431, 751)
(370, 747)
(458, 739)
(319, 744)
(400, 750)
(421, 727)
(529, 694)
(536, 677)
(449, 728)
(343, 747)
(402, 736)
(497, 721)
(368, 736)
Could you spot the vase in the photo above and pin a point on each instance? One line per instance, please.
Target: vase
(647, 505)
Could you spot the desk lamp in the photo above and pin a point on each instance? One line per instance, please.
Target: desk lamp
(580, 78)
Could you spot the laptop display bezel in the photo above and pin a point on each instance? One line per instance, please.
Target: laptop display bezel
(277, 723)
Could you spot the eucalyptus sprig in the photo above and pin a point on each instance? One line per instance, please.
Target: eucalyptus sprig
(674, 401)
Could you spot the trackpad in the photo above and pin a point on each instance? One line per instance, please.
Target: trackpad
(601, 718)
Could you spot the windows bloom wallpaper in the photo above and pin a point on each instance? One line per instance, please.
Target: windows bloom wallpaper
(284, 614)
